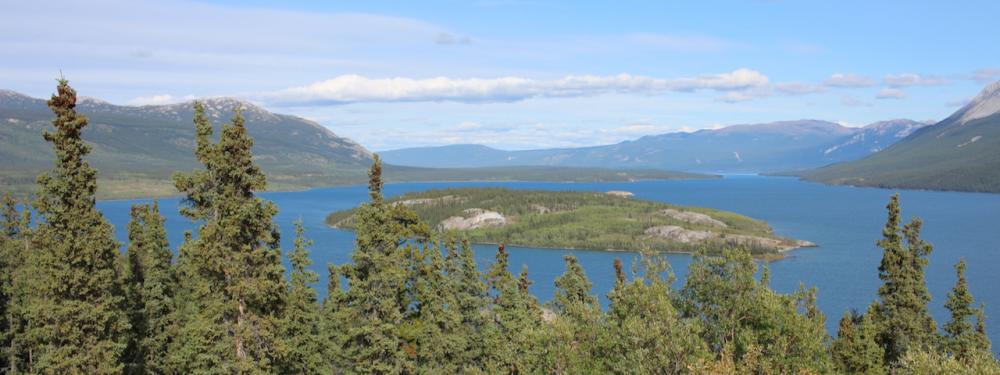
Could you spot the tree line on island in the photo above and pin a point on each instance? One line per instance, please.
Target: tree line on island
(73, 303)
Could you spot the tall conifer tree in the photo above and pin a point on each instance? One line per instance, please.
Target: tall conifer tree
(300, 323)
(466, 282)
(855, 350)
(902, 316)
(237, 249)
(376, 286)
(77, 306)
(573, 327)
(961, 337)
(335, 320)
(150, 285)
(512, 342)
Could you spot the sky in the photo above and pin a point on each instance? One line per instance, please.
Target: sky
(515, 74)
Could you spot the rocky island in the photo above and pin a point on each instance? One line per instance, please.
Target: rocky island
(612, 221)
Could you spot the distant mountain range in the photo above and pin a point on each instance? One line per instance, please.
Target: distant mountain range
(962, 152)
(776, 146)
(137, 148)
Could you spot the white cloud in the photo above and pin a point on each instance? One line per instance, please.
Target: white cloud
(848, 80)
(912, 79)
(890, 93)
(356, 88)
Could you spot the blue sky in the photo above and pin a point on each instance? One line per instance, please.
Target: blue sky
(515, 74)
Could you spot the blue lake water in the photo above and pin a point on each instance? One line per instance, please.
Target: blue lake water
(844, 221)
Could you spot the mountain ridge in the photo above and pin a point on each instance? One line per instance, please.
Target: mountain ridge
(139, 147)
(762, 147)
(961, 153)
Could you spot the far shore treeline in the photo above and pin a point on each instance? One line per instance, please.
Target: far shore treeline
(414, 302)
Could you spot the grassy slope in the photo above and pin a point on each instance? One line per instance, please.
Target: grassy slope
(577, 219)
(929, 159)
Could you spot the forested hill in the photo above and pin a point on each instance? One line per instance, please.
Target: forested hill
(962, 152)
(137, 148)
(584, 220)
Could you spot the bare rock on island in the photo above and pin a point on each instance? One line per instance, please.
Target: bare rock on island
(473, 218)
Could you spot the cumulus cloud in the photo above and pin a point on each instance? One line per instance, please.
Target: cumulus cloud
(890, 93)
(912, 79)
(356, 88)
(848, 80)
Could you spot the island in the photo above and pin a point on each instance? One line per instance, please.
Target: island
(611, 221)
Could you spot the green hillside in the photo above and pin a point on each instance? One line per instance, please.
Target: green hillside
(583, 220)
(136, 149)
(959, 153)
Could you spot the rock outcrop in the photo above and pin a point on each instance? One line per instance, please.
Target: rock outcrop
(473, 218)
(693, 218)
(620, 193)
(681, 235)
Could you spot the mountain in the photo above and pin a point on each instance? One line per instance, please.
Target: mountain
(784, 145)
(138, 148)
(872, 138)
(962, 152)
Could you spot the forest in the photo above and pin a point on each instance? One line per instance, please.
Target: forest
(412, 301)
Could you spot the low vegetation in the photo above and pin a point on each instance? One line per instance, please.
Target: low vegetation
(582, 220)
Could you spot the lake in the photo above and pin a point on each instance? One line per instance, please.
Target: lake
(844, 221)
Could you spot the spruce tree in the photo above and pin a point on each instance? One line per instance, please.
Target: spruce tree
(572, 297)
(466, 283)
(436, 322)
(150, 285)
(335, 321)
(855, 350)
(11, 263)
(17, 254)
(512, 340)
(236, 252)
(573, 328)
(961, 337)
(301, 320)
(377, 286)
(77, 306)
(902, 316)
(199, 346)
